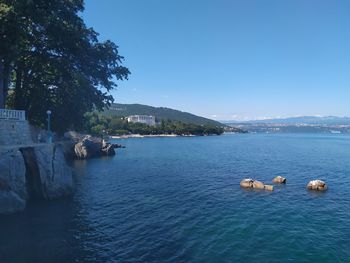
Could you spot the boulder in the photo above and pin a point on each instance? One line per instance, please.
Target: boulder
(317, 185)
(73, 136)
(55, 175)
(30, 172)
(87, 148)
(108, 150)
(279, 180)
(13, 192)
(258, 185)
(250, 183)
(247, 183)
(268, 187)
(116, 145)
(80, 146)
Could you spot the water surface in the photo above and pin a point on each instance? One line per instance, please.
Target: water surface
(179, 200)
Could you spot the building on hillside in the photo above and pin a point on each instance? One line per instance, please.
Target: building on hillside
(146, 119)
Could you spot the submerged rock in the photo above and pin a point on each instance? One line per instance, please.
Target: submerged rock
(250, 183)
(279, 180)
(317, 185)
(10, 202)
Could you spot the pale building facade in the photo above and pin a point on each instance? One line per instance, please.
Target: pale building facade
(145, 119)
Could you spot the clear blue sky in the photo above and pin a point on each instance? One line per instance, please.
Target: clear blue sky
(231, 59)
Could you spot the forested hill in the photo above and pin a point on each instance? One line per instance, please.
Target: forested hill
(159, 112)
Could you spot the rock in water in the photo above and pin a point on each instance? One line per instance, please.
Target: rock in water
(279, 180)
(108, 150)
(37, 171)
(88, 148)
(317, 185)
(258, 185)
(250, 183)
(247, 183)
(13, 192)
(268, 187)
(55, 175)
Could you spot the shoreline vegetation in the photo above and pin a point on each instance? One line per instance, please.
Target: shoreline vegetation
(98, 124)
(128, 136)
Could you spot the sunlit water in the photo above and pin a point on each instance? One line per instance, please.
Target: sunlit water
(179, 200)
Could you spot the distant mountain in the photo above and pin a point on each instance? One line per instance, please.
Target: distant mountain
(310, 120)
(159, 112)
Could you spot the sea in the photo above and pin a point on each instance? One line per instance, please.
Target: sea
(179, 200)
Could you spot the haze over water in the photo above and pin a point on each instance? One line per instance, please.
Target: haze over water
(179, 200)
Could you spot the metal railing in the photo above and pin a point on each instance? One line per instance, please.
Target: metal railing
(19, 115)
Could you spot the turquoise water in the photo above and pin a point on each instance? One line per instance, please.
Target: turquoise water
(179, 200)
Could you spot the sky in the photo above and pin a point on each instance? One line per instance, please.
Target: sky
(231, 59)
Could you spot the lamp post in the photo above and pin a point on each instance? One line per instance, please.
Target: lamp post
(49, 133)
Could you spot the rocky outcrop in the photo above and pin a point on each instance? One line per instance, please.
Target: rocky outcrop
(258, 185)
(13, 192)
(91, 147)
(250, 183)
(247, 183)
(317, 185)
(268, 187)
(80, 146)
(55, 175)
(35, 172)
(87, 148)
(279, 180)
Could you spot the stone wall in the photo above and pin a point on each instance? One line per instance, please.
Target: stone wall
(13, 132)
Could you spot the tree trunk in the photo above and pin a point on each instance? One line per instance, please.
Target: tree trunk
(6, 80)
(2, 93)
(18, 102)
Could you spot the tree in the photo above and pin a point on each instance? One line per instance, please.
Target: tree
(53, 61)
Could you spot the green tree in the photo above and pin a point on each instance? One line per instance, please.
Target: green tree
(52, 60)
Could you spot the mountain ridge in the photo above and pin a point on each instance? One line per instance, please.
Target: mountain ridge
(123, 110)
(321, 120)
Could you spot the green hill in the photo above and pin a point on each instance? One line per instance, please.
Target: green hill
(160, 113)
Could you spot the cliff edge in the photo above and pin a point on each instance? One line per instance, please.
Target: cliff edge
(37, 171)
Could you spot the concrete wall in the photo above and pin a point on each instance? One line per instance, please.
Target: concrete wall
(14, 132)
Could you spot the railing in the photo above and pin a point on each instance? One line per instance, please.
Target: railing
(19, 115)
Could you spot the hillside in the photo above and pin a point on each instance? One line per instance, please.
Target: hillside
(159, 112)
(310, 120)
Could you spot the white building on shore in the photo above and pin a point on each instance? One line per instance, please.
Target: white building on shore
(146, 119)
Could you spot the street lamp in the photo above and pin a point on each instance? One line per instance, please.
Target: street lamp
(49, 133)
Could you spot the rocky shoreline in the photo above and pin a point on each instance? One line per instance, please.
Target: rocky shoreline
(82, 146)
(37, 171)
(127, 136)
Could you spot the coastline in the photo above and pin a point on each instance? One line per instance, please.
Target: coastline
(127, 136)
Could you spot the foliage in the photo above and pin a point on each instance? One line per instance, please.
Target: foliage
(99, 124)
(52, 60)
(159, 113)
